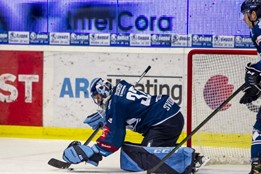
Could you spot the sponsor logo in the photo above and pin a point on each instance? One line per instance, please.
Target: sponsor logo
(126, 21)
(162, 150)
(39, 38)
(11, 92)
(216, 91)
(79, 39)
(100, 39)
(223, 41)
(18, 37)
(105, 132)
(161, 40)
(120, 39)
(3, 35)
(60, 38)
(140, 40)
(202, 40)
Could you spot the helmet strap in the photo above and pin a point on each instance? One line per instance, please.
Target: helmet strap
(249, 18)
(253, 23)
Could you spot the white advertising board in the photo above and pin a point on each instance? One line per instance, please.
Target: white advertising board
(67, 77)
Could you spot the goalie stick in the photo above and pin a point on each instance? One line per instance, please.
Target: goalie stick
(150, 171)
(65, 165)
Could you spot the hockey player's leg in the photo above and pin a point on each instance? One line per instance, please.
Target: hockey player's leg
(256, 166)
(165, 134)
(256, 146)
(255, 153)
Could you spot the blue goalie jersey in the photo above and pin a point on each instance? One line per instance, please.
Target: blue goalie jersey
(132, 109)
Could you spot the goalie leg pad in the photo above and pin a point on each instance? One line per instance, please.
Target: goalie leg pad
(139, 158)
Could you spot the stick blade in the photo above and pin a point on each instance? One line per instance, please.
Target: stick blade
(58, 164)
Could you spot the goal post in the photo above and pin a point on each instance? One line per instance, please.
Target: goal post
(213, 75)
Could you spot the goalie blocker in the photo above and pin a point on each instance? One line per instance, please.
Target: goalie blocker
(139, 158)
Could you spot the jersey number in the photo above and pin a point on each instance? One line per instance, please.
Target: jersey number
(133, 95)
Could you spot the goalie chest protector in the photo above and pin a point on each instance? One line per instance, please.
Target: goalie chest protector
(139, 158)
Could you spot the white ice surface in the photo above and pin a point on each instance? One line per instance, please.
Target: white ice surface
(30, 156)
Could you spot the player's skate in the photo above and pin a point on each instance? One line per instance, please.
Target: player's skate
(256, 167)
(199, 162)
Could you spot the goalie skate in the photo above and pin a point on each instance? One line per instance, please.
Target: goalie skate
(199, 162)
(256, 167)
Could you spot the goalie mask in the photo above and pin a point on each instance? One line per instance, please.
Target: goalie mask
(248, 6)
(101, 87)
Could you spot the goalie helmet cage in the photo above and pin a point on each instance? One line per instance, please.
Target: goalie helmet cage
(213, 75)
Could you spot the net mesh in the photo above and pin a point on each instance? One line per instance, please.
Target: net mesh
(226, 138)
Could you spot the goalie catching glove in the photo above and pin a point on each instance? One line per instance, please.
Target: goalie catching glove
(95, 120)
(76, 153)
(252, 83)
